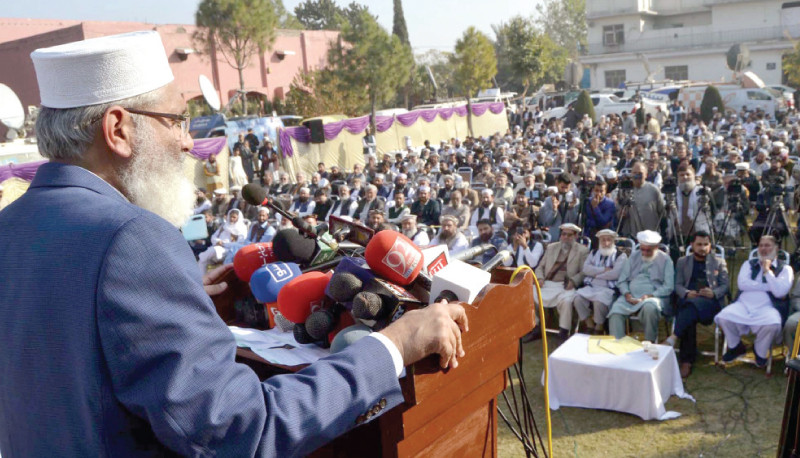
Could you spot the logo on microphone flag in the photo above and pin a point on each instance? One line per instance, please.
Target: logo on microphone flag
(402, 258)
(438, 263)
(279, 271)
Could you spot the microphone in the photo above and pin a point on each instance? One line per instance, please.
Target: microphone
(348, 336)
(290, 246)
(368, 306)
(267, 282)
(343, 286)
(252, 257)
(498, 259)
(470, 253)
(302, 296)
(320, 323)
(394, 257)
(254, 194)
(462, 282)
(301, 335)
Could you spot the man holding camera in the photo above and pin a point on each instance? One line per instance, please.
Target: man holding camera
(560, 208)
(639, 203)
(690, 217)
(600, 211)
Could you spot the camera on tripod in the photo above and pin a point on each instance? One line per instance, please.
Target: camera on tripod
(702, 191)
(670, 186)
(776, 187)
(626, 183)
(734, 188)
(586, 187)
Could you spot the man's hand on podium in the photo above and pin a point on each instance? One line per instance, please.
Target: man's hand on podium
(433, 329)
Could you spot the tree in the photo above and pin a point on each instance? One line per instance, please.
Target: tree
(240, 29)
(443, 70)
(322, 92)
(584, 106)
(286, 20)
(564, 21)
(368, 57)
(399, 27)
(475, 65)
(711, 99)
(525, 56)
(791, 65)
(326, 14)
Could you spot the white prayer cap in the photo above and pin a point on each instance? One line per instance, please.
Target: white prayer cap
(538, 170)
(238, 188)
(101, 70)
(648, 237)
(678, 140)
(410, 217)
(719, 138)
(220, 191)
(424, 188)
(743, 166)
(606, 232)
(611, 174)
(402, 175)
(570, 227)
(778, 144)
(487, 192)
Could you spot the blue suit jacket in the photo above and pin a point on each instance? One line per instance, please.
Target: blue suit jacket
(110, 346)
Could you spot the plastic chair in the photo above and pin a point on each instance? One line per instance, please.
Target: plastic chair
(719, 250)
(585, 241)
(784, 255)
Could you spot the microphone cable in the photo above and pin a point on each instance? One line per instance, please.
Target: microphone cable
(527, 424)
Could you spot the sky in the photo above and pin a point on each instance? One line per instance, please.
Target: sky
(432, 24)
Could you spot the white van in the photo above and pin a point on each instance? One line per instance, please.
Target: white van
(735, 98)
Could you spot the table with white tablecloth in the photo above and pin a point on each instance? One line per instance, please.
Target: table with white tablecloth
(633, 383)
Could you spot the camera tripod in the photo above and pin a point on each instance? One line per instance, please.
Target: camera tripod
(777, 216)
(627, 210)
(703, 201)
(671, 214)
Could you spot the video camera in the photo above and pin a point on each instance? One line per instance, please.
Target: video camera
(735, 187)
(626, 183)
(670, 186)
(776, 187)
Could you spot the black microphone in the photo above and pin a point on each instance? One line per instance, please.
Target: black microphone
(474, 251)
(254, 194)
(498, 259)
(343, 286)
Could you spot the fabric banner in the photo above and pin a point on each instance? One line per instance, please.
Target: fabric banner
(205, 147)
(25, 171)
(301, 134)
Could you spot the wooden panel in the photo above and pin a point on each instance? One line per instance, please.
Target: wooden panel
(465, 429)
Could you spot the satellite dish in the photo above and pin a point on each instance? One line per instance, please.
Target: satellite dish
(11, 112)
(738, 57)
(209, 93)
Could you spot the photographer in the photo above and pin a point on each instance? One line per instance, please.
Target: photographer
(690, 218)
(771, 200)
(524, 255)
(599, 212)
(731, 220)
(560, 208)
(642, 203)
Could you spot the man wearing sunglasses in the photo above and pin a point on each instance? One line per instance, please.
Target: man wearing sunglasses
(111, 344)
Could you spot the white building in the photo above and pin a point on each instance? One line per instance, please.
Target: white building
(686, 39)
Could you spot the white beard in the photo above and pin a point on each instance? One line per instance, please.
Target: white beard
(607, 251)
(649, 258)
(154, 180)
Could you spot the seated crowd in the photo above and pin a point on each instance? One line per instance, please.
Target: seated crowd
(585, 206)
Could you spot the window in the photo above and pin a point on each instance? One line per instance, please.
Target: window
(771, 65)
(595, 100)
(756, 95)
(676, 72)
(613, 35)
(615, 78)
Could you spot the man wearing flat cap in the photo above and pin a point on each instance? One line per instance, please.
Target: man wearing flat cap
(130, 358)
(601, 271)
(560, 273)
(645, 286)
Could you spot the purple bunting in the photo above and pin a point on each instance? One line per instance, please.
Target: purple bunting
(25, 171)
(205, 147)
(332, 130)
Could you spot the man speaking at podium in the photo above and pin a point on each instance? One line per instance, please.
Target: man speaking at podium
(111, 344)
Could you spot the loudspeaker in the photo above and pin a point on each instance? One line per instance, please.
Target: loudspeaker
(317, 134)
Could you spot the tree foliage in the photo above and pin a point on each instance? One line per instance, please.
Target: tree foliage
(474, 62)
(564, 21)
(286, 20)
(584, 106)
(322, 92)
(526, 57)
(326, 14)
(791, 65)
(369, 57)
(240, 29)
(711, 99)
(399, 26)
(443, 71)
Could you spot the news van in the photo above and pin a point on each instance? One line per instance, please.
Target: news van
(735, 98)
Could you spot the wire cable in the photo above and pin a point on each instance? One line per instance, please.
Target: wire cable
(545, 355)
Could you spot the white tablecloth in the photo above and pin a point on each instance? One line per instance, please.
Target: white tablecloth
(633, 383)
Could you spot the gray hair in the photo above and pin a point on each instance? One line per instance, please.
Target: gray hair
(372, 187)
(67, 134)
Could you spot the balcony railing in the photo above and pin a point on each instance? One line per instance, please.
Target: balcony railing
(683, 38)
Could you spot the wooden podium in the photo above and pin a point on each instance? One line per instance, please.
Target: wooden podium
(453, 412)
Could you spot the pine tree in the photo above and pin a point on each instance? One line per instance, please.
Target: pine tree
(584, 106)
(399, 28)
(711, 99)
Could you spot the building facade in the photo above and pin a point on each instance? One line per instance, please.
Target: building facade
(640, 40)
(269, 74)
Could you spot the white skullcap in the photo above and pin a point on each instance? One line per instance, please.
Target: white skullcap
(101, 70)
(778, 144)
(570, 227)
(611, 174)
(743, 166)
(648, 237)
(403, 176)
(238, 188)
(487, 192)
(424, 188)
(606, 232)
(220, 191)
(678, 140)
(538, 170)
(411, 217)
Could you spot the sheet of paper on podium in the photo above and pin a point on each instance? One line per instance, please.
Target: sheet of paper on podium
(277, 347)
(610, 345)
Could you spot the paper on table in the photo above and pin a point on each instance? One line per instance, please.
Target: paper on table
(274, 346)
(594, 344)
(620, 346)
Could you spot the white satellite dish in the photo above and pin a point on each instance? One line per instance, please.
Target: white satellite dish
(11, 112)
(209, 93)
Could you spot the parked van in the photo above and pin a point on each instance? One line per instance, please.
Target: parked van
(735, 98)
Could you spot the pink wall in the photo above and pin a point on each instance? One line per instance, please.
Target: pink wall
(267, 74)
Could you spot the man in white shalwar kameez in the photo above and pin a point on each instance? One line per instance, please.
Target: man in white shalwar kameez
(762, 305)
(601, 269)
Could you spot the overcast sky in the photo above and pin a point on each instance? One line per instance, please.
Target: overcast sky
(432, 24)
